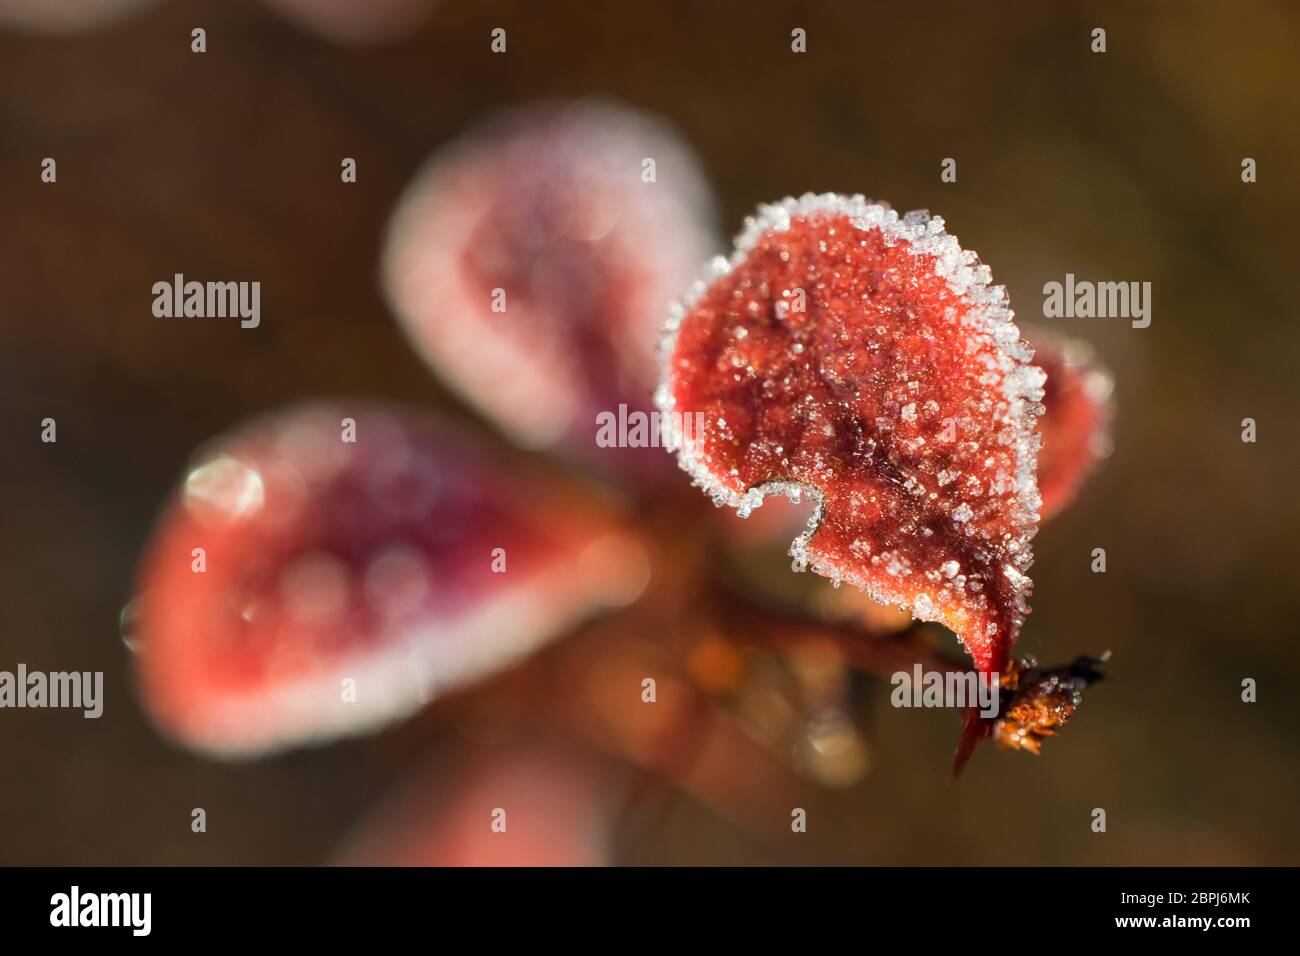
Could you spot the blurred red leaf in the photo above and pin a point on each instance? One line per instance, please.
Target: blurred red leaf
(373, 561)
(1075, 425)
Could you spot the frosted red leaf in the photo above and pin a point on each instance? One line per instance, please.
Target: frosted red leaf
(1075, 425)
(530, 263)
(866, 358)
(325, 561)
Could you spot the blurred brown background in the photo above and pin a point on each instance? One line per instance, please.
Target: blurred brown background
(1122, 166)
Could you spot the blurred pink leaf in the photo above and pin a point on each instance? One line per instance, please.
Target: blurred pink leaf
(532, 264)
(67, 16)
(541, 805)
(356, 21)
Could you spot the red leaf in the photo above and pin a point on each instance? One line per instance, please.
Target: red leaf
(901, 392)
(373, 561)
(531, 264)
(974, 730)
(1075, 425)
